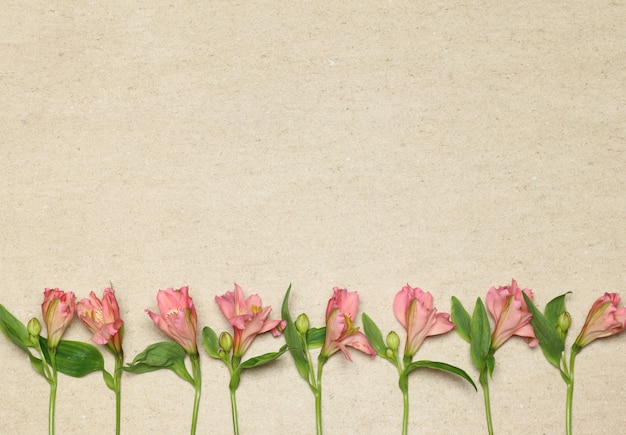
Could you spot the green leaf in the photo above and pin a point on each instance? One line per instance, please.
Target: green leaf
(480, 336)
(294, 340)
(163, 355)
(210, 342)
(491, 363)
(439, 366)
(78, 359)
(235, 378)
(108, 379)
(37, 364)
(554, 309)
(374, 336)
(261, 360)
(315, 337)
(551, 344)
(461, 318)
(14, 330)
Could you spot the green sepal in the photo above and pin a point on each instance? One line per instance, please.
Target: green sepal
(374, 336)
(438, 366)
(74, 358)
(14, 330)
(210, 342)
(108, 380)
(461, 318)
(294, 340)
(315, 337)
(261, 360)
(551, 344)
(163, 355)
(480, 336)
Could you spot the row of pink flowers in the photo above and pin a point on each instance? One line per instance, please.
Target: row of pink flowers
(413, 308)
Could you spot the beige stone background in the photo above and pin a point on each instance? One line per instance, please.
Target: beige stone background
(452, 145)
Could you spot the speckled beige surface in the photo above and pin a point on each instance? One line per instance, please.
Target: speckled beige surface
(452, 145)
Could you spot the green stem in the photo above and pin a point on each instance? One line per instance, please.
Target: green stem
(570, 393)
(318, 399)
(485, 385)
(53, 391)
(197, 377)
(233, 408)
(117, 382)
(405, 421)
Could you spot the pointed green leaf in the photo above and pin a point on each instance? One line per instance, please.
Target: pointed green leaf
(461, 318)
(373, 334)
(551, 344)
(294, 340)
(554, 308)
(108, 380)
(315, 337)
(78, 359)
(480, 336)
(210, 342)
(439, 366)
(37, 364)
(14, 330)
(261, 360)
(163, 355)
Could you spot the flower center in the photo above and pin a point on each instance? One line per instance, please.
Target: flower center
(97, 316)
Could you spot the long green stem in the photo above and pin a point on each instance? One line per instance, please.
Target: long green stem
(233, 408)
(318, 399)
(570, 394)
(485, 384)
(197, 377)
(405, 421)
(53, 391)
(119, 361)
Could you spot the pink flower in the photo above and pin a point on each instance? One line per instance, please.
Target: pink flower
(415, 311)
(604, 319)
(340, 329)
(508, 308)
(102, 318)
(58, 312)
(248, 318)
(178, 317)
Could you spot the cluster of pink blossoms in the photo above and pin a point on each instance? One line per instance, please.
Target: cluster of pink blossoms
(413, 308)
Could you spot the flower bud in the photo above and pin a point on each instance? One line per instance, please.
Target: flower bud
(226, 341)
(33, 328)
(390, 354)
(302, 323)
(393, 341)
(564, 321)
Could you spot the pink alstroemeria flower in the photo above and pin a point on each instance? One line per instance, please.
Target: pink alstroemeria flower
(415, 311)
(102, 318)
(508, 308)
(248, 317)
(340, 330)
(178, 317)
(604, 319)
(58, 312)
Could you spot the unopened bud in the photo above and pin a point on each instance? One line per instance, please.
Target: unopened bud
(302, 323)
(389, 354)
(33, 327)
(226, 341)
(564, 321)
(393, 341)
